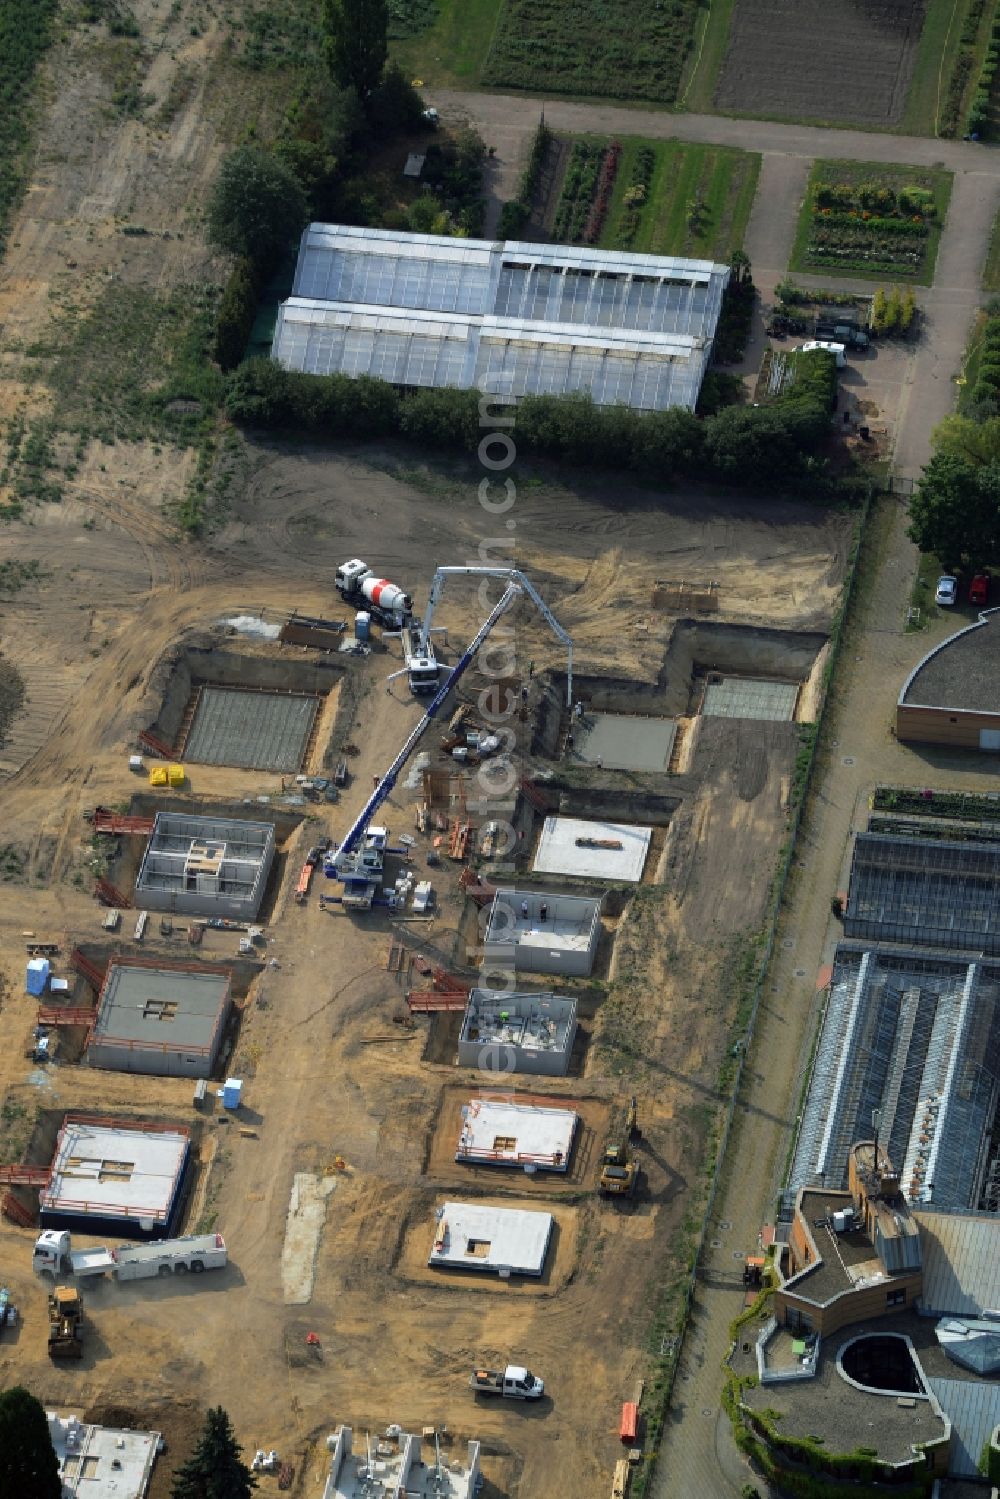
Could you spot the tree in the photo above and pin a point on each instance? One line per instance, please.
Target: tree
(356, 41)
(976, 442)
(215, 1469)
(256, 206)
(28, 1463)
(955, 511)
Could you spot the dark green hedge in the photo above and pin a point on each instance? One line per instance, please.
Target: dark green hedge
(773, 446)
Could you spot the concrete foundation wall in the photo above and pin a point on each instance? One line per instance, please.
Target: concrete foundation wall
(502, 1058)
(501, 957)
(150, 1060)
(281, 668)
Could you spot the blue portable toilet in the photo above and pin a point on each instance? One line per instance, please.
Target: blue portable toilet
(232, 1088)
(362, 625)
(37, 978)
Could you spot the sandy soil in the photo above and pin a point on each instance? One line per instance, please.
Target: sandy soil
(329, 1071)
(336, 1088)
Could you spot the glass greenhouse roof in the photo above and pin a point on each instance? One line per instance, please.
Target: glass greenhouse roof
(426, 310)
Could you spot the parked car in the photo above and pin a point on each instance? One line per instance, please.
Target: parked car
(979, 589)
(946, 592)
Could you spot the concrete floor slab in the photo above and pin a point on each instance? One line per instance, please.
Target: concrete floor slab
(251, 730)
(624, 741)
(740, 697)
(592, 850)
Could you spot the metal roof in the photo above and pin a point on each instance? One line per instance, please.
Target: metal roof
(179, 1006)
(630, 329)
(973, 1408)
(478, 1236)
(961, 1253)
(962, 672)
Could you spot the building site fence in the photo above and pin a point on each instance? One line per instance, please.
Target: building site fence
(671, 1360)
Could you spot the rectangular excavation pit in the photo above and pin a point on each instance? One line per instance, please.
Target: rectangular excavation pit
(251, 729)
(255, 709)
(623, 741)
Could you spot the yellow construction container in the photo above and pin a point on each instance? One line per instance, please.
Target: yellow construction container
(158, 775)
(175, 775)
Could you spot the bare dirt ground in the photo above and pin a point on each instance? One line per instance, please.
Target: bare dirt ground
(337, 1092)
(825, 62)
(329, 1071)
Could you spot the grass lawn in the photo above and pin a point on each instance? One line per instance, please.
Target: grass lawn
(720, 180)
(702, 71)
(453, 51)
(991, 270)
(932, 70)
(886, 257)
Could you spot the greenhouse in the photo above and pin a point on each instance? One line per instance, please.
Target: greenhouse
(508, 318)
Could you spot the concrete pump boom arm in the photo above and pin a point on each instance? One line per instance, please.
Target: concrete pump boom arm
(509, 575)
(384, 788)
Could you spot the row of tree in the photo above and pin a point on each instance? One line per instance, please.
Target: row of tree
(778, 446)
(29, 1468)
(955, 509)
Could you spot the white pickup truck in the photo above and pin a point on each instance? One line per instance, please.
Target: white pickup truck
(54, 1255)
(512, 1383)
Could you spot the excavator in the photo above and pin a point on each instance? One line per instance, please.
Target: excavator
(620, 1165)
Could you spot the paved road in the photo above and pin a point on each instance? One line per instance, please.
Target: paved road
(698, 1459)
(507, 124)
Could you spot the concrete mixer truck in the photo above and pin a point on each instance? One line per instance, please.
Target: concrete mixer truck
(363, 589)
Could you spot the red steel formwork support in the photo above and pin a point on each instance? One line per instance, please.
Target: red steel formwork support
(90, 971)
(108, 895)
(106, 821)
(66, 1015)
(16, 1211)
(24, 1176)
(428, 1002)
(476, 888)
(149, 741)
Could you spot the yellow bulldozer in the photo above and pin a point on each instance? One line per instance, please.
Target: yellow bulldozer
(65, 1323)
(620, 1166)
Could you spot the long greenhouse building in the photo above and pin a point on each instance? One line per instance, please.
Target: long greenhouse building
(507, 318)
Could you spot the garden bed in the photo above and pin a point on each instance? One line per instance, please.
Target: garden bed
(862, 218)
(656, 197)
(636, 52)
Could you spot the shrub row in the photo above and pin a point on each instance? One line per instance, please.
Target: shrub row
(987, 386)
(876, 198)
(578, 189)
(893, 312)
(635, 197)
(237, 311)
(978, 114)
(767, 445)
(602, 201)
(958, 83)
(515, 214)
(813, 377)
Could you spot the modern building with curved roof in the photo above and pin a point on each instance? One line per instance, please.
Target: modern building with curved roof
(952, 696)
(504, 317)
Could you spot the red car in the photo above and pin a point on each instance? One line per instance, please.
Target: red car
(979, 589)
